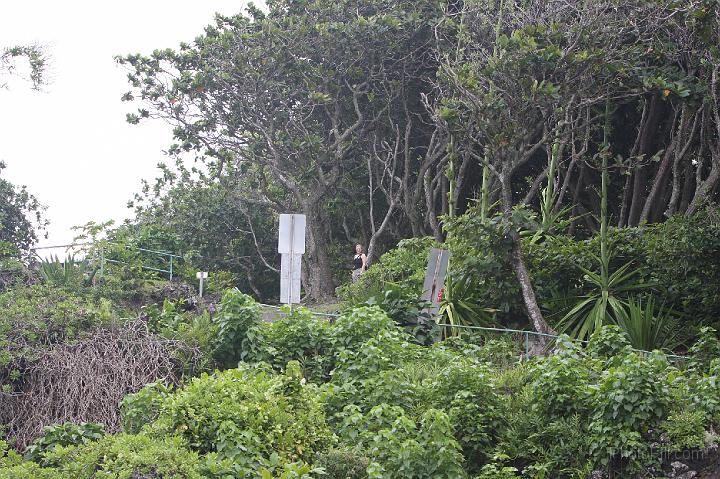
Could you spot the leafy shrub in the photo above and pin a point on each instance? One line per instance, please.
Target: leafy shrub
(194, 328)
(358, 325)
(67, 434)
(13, 272)
(391, 370)
(500, 351)
(28, 470)
(631, 399)
(608, 342)
(704, 350)
(298, 336)
(410, 313)
(596, 408)
(496, 471)
(143, 407)
(314, 341)
(480, 269)
(218, 281)
(237, 318)
(293, 471)
(249, 416)
(344, 463)
(163, 318)
(685, 430)
(382, 352)
(683, 258)
(399, 447)
(128, 456)
(560, 385)
(703, 392)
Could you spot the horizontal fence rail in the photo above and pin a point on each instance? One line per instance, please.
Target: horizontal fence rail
(526, 334)
(172, 257)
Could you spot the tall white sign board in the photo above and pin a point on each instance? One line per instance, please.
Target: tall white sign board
(291, 245)
(291, 234)
(290, 265)
(435, 277)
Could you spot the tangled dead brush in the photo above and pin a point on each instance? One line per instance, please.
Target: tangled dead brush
(85, 381)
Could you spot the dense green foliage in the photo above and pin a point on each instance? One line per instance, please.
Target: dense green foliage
(566, 153)
(358, 397)
(67, 434)
(674, 267)
(21, 220)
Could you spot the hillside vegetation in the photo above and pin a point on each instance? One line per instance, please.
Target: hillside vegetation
(567, 155)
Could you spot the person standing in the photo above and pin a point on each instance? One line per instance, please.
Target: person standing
(359, 263)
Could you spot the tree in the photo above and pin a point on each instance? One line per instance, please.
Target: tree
(527, 79)
(289, 98)
(20, 217)
(212, 228)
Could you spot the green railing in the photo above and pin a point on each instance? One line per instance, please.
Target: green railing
(524, 333)
(526, 338)
(171, 260)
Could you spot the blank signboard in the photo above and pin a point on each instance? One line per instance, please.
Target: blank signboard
(435, 276)
(291, 234)
(290, 278)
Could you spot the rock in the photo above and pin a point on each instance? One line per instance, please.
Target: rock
(681, 471)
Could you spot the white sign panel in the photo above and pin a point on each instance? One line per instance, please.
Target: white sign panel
(291, 245)
(290, 267)
(291, 234)
(201, 275)
(435, 276)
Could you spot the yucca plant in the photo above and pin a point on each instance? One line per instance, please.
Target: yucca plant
(607, 300)
(649, 327)
(459, 306)
(67, 272)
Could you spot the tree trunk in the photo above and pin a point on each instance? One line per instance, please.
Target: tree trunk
(625, 204)
(658, 183)
(430, 203)
(648, 131)
(638, 196)
(319, 284)
(688, 189)
(521, 272)
(705, 188)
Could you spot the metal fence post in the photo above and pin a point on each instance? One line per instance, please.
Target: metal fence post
(171, 268)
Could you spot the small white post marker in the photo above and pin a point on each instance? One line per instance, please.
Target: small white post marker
(202, 276)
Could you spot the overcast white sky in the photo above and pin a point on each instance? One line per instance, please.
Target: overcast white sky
(70, 144)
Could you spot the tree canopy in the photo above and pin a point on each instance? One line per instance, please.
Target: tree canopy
(379, 119)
